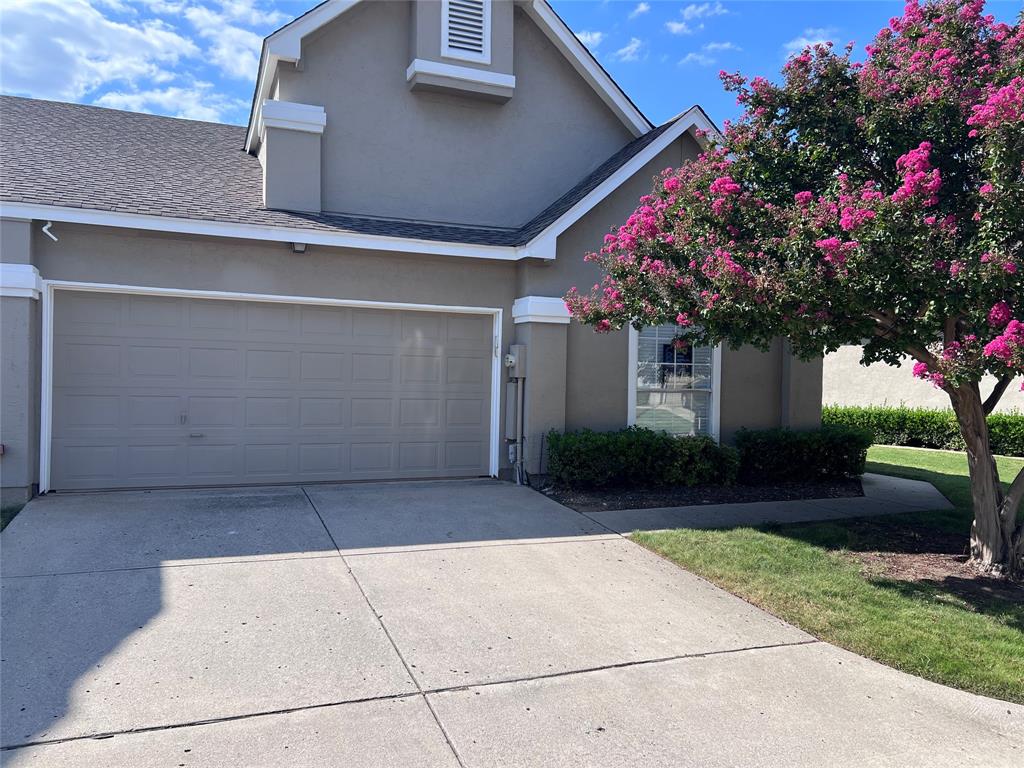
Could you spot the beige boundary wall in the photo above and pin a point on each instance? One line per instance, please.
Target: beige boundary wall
(846, 382)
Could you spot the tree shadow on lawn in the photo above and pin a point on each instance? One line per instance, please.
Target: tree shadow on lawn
(922, 555)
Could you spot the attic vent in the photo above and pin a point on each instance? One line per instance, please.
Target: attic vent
(466, 30)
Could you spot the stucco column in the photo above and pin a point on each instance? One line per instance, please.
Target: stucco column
(800, 390)
(542, 324)
(19, 363)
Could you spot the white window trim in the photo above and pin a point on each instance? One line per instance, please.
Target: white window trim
(50, 287)
(448, 52)
(633, 358)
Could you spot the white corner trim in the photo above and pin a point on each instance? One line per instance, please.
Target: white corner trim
(588, 68)
(20, 281)
(540, 309)
(691, 120)
(260, 232)
(50, 288)
(292, 116)
(455, 72)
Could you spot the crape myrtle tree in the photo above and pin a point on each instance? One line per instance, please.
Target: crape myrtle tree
(877, 203)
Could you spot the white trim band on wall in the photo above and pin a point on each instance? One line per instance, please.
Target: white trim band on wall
(540, 309)
(20, 281)
(456, 72)
(292, 116)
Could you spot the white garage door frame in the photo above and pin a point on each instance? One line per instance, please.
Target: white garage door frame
(50, 288)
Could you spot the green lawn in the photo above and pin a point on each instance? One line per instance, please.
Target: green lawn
(802, 574)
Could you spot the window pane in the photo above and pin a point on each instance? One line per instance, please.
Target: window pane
(673, 386)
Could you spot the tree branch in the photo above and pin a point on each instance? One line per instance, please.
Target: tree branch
(993, 399)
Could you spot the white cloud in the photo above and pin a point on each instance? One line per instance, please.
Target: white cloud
(196, 102)
(811, 36)
(700, 59)
(681, 27)
(65, 49)
(236, 51)
(703, 11)
(591, 39)
(640, 10)
(632, 51)
(722, 47)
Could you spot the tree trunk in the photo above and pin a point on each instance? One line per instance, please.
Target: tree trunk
(997, 544)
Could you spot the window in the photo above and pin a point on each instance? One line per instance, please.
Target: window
(466, 30)
(674, 387)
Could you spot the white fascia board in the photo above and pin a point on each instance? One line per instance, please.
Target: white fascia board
(540, 309)
(588, 68)
(292, 116)
(545, 242)
(456, 72)
(259, 232)
(20, 281)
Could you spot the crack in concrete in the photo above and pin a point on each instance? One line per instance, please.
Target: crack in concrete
(424, 692)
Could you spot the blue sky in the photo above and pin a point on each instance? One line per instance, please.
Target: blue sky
(198, 58)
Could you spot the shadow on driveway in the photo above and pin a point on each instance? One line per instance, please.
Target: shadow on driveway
(103, 629)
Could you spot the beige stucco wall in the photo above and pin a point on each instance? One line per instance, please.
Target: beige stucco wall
(19, 373)
(847, 382)
(482, 162)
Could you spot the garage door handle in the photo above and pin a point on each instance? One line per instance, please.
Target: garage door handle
(196, 434)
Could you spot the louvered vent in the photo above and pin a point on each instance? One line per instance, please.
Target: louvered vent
(466, 30)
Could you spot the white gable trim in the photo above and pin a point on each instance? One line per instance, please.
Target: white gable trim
(286, 45)
(692, 120)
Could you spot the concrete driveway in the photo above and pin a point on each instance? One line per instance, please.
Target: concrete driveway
(467, 623)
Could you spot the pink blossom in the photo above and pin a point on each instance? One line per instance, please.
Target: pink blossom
(723, 186)
(986, 189)
(999, 315)
(671, 184)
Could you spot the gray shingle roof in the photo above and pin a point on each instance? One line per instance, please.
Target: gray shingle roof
(71, 155)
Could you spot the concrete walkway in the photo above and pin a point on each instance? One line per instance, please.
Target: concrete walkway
(425, 624)
(883, 495)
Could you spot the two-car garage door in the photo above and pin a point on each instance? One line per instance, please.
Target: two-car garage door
(153, 391)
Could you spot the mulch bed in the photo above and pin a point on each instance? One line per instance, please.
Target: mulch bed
(682, 496)
(923, 555)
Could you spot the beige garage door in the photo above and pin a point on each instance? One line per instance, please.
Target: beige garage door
(159, 391)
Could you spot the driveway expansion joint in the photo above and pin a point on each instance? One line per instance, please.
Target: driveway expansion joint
(394, 645)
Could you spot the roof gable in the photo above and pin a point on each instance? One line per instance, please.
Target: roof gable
(285, 45)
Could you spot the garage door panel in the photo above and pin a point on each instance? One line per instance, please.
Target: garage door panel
(163, 391)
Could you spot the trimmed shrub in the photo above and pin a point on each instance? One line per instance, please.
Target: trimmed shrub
(926, 427)
(637, 457)
(785, 455)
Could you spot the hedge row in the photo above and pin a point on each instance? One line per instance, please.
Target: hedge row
(638, 457)
(926, 427)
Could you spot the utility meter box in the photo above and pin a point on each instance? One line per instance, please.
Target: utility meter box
(516, 361)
